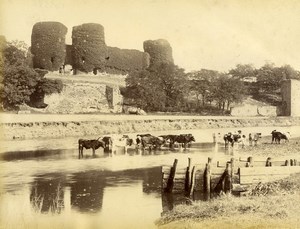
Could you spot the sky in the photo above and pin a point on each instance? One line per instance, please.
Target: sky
(209, 34)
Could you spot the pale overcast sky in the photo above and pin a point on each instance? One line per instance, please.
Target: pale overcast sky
(203, 34)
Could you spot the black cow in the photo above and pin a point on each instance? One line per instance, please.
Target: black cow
(170, 138)
(183, 139)
(277, 136)
(89, 144)
(139, 138)
(107, 143)
(231, 139)
(153, 142)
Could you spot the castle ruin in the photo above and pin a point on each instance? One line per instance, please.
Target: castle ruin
(89, 52)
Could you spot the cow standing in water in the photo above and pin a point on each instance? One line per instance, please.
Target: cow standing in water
(152, 141)
(183, 139)
(232, 138)
(278, 136)
(89, 144)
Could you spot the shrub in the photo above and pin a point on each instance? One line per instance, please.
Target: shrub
(48, 45)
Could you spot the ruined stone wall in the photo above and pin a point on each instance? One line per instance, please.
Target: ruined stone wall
(114, 98)
(78, 98)
(290, 91)
(123, 61)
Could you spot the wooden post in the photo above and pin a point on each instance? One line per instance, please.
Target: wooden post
(170, 182)
(192, 183)
(287, 163)
(231, 171)
(250, 160)
(206, 184)
(227, 180)
(188, 175)
(209, 160)
(269, 162)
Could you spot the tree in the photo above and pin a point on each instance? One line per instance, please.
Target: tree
(159, 88)
(242, 71)
(289, 73)
(18, 81)
(201, 84)
(227, 90)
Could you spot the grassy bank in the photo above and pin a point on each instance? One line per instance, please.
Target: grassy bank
(269, 205)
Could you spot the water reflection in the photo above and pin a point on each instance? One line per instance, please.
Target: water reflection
(87, 191)
(47, 193)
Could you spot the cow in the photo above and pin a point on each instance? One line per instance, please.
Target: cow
(170, 138)
(108, 143)
(89, 144)
(230, 138)
(123, 141)
(183, 139)
(153, 142)
(254, 137)
(139, 138)
(277, 136)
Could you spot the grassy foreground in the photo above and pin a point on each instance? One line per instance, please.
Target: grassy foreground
(270, 205)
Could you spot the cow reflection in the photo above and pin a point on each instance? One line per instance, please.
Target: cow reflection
(87, 191)
(47, 194)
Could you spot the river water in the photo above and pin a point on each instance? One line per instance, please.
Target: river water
(52, 188)
(124, 189)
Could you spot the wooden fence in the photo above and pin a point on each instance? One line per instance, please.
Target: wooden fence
(233, 175)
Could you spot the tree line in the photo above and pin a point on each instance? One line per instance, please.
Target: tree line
(166, 87)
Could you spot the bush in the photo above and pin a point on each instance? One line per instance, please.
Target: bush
(48, 45)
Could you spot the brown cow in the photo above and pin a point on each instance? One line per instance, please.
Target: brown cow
(89, 144)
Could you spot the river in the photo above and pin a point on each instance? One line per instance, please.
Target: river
(51, 188)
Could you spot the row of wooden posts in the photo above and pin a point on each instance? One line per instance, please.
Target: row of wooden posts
(213, 179)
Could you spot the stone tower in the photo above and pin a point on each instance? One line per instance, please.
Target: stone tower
(48, 45)
(160, 51)
(89, 48)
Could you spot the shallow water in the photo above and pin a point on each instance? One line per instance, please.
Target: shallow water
(45, 185)
(103, 190)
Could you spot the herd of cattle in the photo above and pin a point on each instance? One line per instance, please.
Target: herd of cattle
(142, 141)
(231, 138)
(108, 143)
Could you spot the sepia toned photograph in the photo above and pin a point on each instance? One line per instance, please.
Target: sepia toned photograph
(167, 114)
